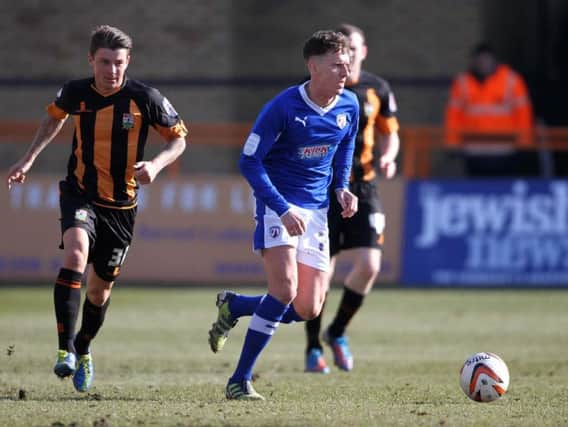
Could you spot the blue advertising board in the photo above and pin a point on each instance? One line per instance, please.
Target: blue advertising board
(486, 233)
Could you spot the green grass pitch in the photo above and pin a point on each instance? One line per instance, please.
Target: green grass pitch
(153, 366)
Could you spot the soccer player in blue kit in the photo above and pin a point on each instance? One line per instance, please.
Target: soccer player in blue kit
(301, 144)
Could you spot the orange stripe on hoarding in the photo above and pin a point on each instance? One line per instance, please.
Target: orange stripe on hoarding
(102, 158)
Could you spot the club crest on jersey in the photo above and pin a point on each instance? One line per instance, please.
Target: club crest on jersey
(127, 121)
(274, 231)
(341, 120)
(313, 151)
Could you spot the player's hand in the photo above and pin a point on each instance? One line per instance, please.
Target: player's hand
(388, 167)
(294, 223)
(348, 202)
(145, 172)
(17, 173)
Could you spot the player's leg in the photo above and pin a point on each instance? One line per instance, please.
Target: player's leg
(230, 307)
(67, 297)
(96, 303)
(313, 326)
(77, 235)
(312, 290)
(363, 233)
(280, 266)
(314, 360)
(358, 283)
(114, 235)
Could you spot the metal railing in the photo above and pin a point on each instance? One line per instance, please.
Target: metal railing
(418, 142)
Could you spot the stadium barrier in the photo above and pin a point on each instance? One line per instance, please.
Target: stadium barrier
(508, 232)
(419, 143)
(194, 230)
(471, 233)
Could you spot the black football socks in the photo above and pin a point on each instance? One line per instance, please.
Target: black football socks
(67, 299)
(350, 304)
(93, 318)
(313, 328)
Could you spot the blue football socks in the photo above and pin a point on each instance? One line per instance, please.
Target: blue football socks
(244, 305)
(263, 324)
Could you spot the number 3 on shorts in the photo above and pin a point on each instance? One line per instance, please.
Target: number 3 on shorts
(118, 257)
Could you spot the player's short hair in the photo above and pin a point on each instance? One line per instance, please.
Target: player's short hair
(348, 29)
(325, 41)
(107, 37)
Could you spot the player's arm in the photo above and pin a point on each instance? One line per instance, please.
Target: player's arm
(267, 129)
(48, 129)
(147, 171)
(265, 132)
(389, 146)
(388, 141)
(342, 169)
(167, 122)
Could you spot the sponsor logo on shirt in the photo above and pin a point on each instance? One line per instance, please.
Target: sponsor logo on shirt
(313, 152)
(83, 108)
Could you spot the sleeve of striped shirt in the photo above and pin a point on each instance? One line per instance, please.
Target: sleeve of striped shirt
(63, 104)
(163, 116)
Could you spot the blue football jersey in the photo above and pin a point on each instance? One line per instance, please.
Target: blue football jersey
(297, 149)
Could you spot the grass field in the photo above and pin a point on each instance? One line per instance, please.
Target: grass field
(153, 365)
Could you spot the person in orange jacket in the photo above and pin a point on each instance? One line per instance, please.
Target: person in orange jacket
(489, 98)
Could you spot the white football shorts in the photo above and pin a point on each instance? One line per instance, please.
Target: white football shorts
(312, 247)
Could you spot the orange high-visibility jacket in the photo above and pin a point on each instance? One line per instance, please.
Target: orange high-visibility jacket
(500, 104)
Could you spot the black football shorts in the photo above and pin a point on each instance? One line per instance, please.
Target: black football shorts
(363, 230)
(110, 230)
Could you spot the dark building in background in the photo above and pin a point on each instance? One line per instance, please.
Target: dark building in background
(533, 37)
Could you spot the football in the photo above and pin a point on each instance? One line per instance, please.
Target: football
(484, 377)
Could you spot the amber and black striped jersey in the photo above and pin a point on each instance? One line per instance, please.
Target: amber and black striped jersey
(378, 115)
(110, 136)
